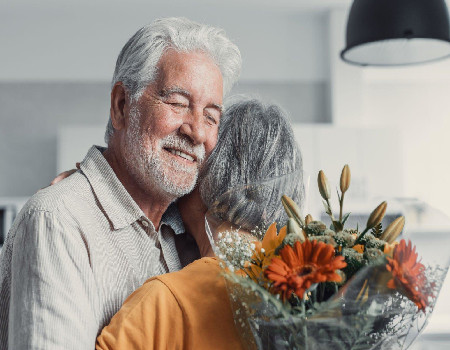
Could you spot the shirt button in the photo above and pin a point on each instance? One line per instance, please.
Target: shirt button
(144, 223)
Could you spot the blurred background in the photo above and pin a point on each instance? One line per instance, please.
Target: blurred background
(391, 125)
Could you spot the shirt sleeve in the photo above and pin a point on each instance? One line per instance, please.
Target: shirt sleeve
(150, 318)
(53, 291)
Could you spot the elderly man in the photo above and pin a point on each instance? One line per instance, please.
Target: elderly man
(79, 248)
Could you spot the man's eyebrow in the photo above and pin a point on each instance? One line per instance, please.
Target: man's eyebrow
(174, 90)
(217, 106)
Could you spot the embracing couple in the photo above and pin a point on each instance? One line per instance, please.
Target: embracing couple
(98, 260)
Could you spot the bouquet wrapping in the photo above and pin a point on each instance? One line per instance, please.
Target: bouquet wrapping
(298, 283)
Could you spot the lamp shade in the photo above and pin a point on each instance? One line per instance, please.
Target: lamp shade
(397, 32)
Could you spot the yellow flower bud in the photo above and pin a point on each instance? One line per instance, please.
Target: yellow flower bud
(324, 187)
(293, 227)
(377, 215)
(308, 219)
(345, 178)
(292, 210)
(393, 230)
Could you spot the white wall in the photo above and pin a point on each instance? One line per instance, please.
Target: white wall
(58, 59)
(421, 111)
(80, 40)
(413, 100)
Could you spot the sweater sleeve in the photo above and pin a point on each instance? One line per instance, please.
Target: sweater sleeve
(150, 318)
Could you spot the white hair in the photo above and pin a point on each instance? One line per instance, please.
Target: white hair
(256, 161)
(136, 66)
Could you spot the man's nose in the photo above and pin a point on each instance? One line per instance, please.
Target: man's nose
(194, 126)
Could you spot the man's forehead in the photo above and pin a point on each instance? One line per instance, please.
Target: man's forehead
(191, 74)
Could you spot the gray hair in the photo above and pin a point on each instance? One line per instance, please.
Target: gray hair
(255, 162)
(136, 66)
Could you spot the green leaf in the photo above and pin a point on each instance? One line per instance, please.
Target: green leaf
(377, 231)
(339, 197)
(344, 219)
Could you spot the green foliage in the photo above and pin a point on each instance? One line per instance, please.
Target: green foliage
(290, 239)
(370, 241)
(344, 218)
(325, 239)
(377, 230)
(344, 239)
(349, 337)
(373, 254)
(315, 228)
(355, 261)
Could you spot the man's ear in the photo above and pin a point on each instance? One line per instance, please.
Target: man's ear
(119, 105)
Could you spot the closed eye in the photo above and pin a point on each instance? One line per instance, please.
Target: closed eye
(211, 120)
(177, 104)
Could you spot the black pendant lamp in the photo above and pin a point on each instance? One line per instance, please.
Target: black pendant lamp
(397, 32)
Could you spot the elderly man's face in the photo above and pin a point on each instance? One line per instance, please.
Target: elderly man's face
(174, 125)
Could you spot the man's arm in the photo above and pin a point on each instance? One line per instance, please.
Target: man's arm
(53, 292)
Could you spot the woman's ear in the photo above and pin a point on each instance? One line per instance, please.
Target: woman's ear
(119, 104)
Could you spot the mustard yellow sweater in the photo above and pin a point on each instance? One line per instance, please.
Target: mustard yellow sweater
(188, 309)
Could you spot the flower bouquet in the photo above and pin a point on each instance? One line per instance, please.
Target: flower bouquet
(308, 285)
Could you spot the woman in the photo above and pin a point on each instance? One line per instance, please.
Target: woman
(190, 309)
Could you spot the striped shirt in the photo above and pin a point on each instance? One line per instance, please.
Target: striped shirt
(74, 254)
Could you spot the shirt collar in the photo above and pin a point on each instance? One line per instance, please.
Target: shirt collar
(118, 205)
(172, 218)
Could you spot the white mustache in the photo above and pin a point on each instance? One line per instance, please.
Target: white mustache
(177, 142)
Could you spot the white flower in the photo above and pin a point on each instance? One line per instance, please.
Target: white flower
(263, 250)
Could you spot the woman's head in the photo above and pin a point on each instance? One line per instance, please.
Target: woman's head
(255, 162)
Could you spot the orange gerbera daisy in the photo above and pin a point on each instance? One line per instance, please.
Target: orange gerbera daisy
(300, 267)
(408, 275)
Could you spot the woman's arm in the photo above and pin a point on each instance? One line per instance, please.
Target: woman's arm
(150, 318)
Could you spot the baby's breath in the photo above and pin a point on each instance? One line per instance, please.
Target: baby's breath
(234, 249)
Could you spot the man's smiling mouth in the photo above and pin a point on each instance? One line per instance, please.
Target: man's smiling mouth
(181, 154)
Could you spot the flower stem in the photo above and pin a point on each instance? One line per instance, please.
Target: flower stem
(360, 237)
(329, 211)
(305, 329)
(341, 206)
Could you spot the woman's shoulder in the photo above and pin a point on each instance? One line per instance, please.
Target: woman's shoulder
(200, 279)
(206, 264)
(205, 270)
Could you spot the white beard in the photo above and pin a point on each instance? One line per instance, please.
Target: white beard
(152, 169)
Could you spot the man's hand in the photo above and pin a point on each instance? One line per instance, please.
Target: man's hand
(64, 174)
